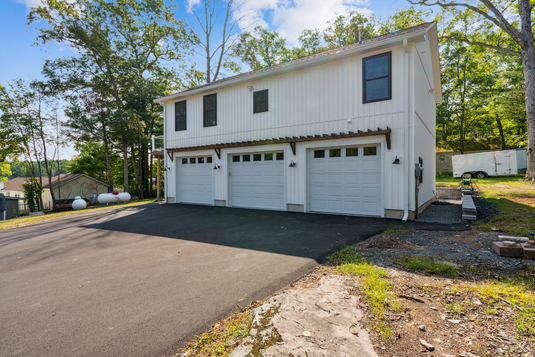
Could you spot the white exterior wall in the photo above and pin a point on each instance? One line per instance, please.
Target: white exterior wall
(423, 121)
(316, 100)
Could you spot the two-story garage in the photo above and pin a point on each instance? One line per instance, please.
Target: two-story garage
(341, 132)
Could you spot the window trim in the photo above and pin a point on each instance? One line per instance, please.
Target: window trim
(255, 111)
(204, 110)
(389, 76)
(185, 115)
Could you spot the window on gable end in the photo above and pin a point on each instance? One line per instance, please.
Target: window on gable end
(260, 99)
(180, 115)
(377, 78)
(210, 110)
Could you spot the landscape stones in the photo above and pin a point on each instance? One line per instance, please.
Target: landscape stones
(427, 345)
(455, 321)
(504, 250)
(421, 327)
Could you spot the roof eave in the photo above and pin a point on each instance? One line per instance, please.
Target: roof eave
(298, 66)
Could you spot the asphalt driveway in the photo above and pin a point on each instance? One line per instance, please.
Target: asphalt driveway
(144, 280)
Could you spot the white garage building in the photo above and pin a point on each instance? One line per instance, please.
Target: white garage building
(336, 132)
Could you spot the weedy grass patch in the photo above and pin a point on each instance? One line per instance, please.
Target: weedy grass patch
(377, 290)
(517, 292)
(222, 339)
(397, 230)
(428, 265)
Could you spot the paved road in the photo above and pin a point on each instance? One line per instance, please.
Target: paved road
(144, 280)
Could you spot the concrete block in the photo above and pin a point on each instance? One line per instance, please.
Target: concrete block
(220, 203)
(505, 249)
(469, 217)
(291, 207)
(512, 238)
(468, 204)
(448, 193)
(529, 250)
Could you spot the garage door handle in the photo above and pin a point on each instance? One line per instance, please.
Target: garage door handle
(229, 173)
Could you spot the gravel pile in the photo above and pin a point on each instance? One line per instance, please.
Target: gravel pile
(485, 209)
(462, 248)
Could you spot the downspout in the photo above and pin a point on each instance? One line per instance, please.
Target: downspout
(165, 172)
(406, 128)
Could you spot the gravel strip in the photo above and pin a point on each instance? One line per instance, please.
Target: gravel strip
(462, 248)
(485, 209)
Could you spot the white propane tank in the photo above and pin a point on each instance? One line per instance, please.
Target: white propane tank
(117, 197)
(79, 203)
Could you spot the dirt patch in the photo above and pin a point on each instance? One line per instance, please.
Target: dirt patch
(386, 242)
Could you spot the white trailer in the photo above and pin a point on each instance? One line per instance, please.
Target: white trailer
(490, 163)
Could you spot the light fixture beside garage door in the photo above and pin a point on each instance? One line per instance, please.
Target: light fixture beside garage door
(292, 164)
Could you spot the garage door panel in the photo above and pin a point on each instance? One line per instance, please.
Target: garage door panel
(346, 184)
(195, 181)
(258, 184)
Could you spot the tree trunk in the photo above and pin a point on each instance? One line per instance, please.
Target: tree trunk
(141, 170)
(125, 165)
(107, 153)
(136, 176)
(500, 128)
(528, 62)
(150, 177)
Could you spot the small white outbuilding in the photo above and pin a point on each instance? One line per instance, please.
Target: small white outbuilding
(341, 131)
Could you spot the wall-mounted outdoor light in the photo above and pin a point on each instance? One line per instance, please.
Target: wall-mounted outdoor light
(217, 167)
(250, 88)
(292, 164)
(167, 168)
(396, 161)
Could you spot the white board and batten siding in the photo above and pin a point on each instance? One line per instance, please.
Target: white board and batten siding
(318, 100)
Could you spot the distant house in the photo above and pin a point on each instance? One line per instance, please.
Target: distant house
(65, 187)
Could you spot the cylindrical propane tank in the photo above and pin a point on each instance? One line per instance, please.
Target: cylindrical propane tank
(79, 203)
(117, 197)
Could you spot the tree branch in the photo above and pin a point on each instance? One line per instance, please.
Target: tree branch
(476, 43)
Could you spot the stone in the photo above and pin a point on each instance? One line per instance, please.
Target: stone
(476, 301)
(469, 217)
(421, 327)
(505, 251)
(458, 332)
(467, 354)
(427, 345)
(455, 321)
(529, 251)
(513, 238)
(432, 307)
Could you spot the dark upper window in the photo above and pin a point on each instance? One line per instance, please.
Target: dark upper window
(377, 78)
(260, 101)
(180, 115)
(210, 110)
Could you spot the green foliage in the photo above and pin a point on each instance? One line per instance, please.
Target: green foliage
(32, 192)
(5, 171)
(91, 161)
(428, 265)
(23, 168)
(344, 30)
(261, 49)
(402, 19)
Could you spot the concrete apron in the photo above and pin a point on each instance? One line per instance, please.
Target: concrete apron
(320, 321)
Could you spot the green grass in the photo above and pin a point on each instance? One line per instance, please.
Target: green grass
(513, 198)
(222, 338)
(516, 292)
(377, 289)
(428, 265)
(455, 307)
(397, 230)
(26, 221)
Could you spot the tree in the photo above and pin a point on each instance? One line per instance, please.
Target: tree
(402, 19)
(215, 53)
(345, 30)
(496, 27)
(119, 42)
(263, 49)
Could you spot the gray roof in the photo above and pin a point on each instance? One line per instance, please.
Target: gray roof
(336, 50)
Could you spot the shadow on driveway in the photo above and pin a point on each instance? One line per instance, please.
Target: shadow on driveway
(304, 235)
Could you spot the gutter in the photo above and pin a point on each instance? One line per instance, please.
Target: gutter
(406, 168)
(165, 178)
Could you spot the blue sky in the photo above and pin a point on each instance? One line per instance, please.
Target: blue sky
(20, 58)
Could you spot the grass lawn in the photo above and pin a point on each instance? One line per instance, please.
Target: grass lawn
(25, 221)
(514, 199)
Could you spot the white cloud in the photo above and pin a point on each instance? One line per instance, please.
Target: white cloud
(290, 17)
(30, 3)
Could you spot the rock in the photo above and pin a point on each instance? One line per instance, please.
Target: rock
(427, 345)
(354, 329)
(458, 332)
(421, 327)
(307, 333)
(476, 301)
(432, 307)
(467, 354)
(504, 337)
(448, 356)
(455, 321)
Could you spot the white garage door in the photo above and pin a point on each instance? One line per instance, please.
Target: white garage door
(195, 180)
(345, 180)
(257, 180)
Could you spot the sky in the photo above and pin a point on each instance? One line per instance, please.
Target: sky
(21, 58)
